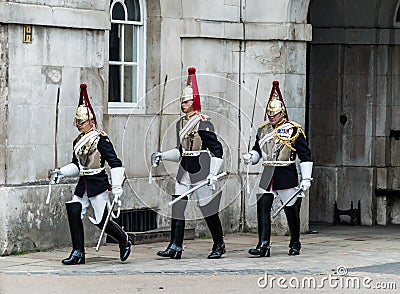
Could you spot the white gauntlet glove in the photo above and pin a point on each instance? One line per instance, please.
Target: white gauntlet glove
(117, 178)
(170, 155)
(250, 158)
(215, 166)
(70, 170)
(55, 175)
(155, 159)
(306, 170)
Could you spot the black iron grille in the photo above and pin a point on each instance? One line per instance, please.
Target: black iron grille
(136, 220)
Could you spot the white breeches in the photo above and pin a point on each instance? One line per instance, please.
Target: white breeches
(284, 195)
(98, 203)
(203, 195)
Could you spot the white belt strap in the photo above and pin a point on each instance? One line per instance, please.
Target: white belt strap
(193, 153)
(270, 135)
(266, 138)
(191, 123)
(90, 172)
(86, 138)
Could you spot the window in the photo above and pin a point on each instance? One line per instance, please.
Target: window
(126, 57)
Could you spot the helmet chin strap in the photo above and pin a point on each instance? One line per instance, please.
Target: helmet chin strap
(190, 113)
(87, 128)
(281, 119)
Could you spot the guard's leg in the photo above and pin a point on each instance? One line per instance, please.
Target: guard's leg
(174, 249)
(172, 235)
(210, 214)
(293, 219)
(116, 232)
(77, 256)
(264, 205)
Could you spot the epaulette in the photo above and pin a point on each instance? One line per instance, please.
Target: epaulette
(263, 124)
(104, 134)
(203, 117)
(295, 124)
(299, 129)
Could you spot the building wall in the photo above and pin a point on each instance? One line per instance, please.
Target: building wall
(353, 78)
(65, 51)
(232, 45)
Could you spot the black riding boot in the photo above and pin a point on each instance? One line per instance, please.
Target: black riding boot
(166, 252)
(173, 228)
(293, 219)
(174, 249)
(215, 227)
(77, 255)
(210, 214)
(264, 205)
(117, 233)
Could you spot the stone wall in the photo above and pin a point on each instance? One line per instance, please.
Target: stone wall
(353, 81)
(65, 51)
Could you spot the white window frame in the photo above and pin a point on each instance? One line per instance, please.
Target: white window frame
(139, 106)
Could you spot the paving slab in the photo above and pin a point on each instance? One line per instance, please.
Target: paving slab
(346, 254)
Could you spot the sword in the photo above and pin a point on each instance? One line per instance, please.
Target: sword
(53, 181)
(105, 224)
(287, 202)
(223, 174)
(154, 165)
(109, 215)
(155, 161)
(250, 135)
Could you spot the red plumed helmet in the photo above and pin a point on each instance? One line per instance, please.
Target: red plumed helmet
(191, 91)
(275, 103)
(84, 111)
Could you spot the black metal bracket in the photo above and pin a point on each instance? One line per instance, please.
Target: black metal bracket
(387, 192)
(354, 213)
(395, 134)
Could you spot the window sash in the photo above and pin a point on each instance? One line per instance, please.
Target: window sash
(129, 63)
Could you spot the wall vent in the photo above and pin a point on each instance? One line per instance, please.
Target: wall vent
(136, 220)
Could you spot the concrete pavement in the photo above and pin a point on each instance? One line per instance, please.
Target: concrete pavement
(367, 256)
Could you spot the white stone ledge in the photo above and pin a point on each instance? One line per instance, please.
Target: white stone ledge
(251, 31)
(17, 13)
(276, 31)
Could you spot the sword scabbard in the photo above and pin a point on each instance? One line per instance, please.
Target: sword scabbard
(223, 174)
(287, 202)
(105, 226)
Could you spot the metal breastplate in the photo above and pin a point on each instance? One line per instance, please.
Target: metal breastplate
(89, 157)
(192, 140)
(277, 148)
